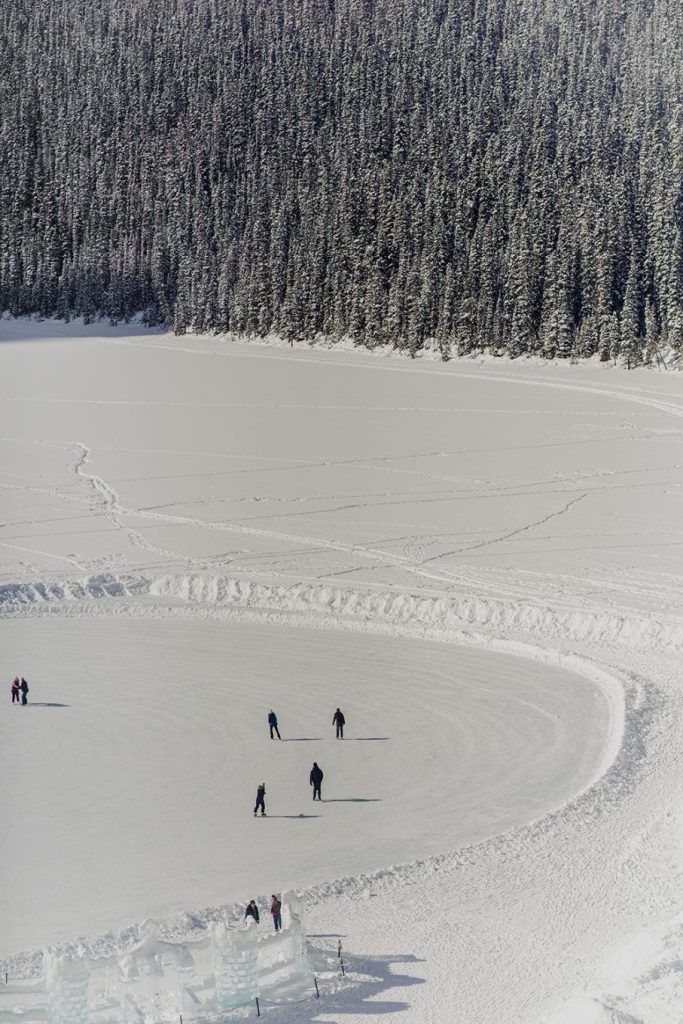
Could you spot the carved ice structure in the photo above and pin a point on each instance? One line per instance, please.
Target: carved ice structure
(156, 981)
(68, 990)
(235, 964)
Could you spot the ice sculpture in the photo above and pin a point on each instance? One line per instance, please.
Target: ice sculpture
(68, 989)
(235, 963)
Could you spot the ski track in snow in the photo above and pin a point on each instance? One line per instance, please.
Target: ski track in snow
(115, 512)
(512, 533)
(194, 587)
(109, 502)
(411, 561)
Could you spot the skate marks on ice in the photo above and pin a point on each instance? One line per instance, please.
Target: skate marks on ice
(195, 741)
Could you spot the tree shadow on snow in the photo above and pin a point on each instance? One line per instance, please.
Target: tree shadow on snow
(46, 704)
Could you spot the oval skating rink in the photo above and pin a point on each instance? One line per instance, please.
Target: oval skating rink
(136, 763)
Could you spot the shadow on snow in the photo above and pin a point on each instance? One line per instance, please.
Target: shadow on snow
(45, 704)
(295, 817)
(356, 997)
(353, 800)
(302, 739)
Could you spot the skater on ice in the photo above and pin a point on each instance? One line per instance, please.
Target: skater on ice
(275, 909)
(272, 723)
(15, 690)
(316, 780)
(261, 800)
(340, 722)
(252, 911)
(23, 686)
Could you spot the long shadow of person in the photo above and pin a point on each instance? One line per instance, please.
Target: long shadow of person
(302, 739)
(46, 704)
(295, 817)
(354, 800)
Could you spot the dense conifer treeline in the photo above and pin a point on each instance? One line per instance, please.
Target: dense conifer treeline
(467, 174)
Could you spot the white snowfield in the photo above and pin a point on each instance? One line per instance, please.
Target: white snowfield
(479, 562)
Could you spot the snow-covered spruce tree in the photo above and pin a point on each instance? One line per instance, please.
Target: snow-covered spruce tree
(397, 173)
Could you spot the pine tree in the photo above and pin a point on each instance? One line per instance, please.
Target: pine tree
(481, 175)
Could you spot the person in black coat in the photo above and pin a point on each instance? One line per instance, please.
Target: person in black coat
(272, 725)
(316, 780)
(252, 911)
(261, 800)
(339, 720)
(23, 686)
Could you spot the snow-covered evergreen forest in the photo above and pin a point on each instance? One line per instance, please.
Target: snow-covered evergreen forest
(465, 174)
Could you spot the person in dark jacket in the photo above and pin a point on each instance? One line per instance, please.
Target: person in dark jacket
(340, 722)
(15, 690)
(316, 780)
(23, 686)
(252, 911)
(276, 909)
(261, 800)
(272, 723)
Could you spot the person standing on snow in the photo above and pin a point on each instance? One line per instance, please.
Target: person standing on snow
(340, 722)
(316, 779)
(276, 909)
(15, 690)
(252, 911)
(272, 722)
(23, 686)
(261, 800)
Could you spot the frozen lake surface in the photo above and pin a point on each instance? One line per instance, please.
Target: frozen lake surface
(480, 562)
(141, 752)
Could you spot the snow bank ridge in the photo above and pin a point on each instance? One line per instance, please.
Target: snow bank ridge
(393, 609)
(445, 613)
(399, 609)
(15, 595)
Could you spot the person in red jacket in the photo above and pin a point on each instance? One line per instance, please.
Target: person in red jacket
(276, 909)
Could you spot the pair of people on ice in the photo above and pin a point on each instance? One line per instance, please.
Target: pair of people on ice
(338, 720)
(17, 687)
(315, 779)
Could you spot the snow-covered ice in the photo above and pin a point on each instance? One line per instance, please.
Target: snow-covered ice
(480, 562)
